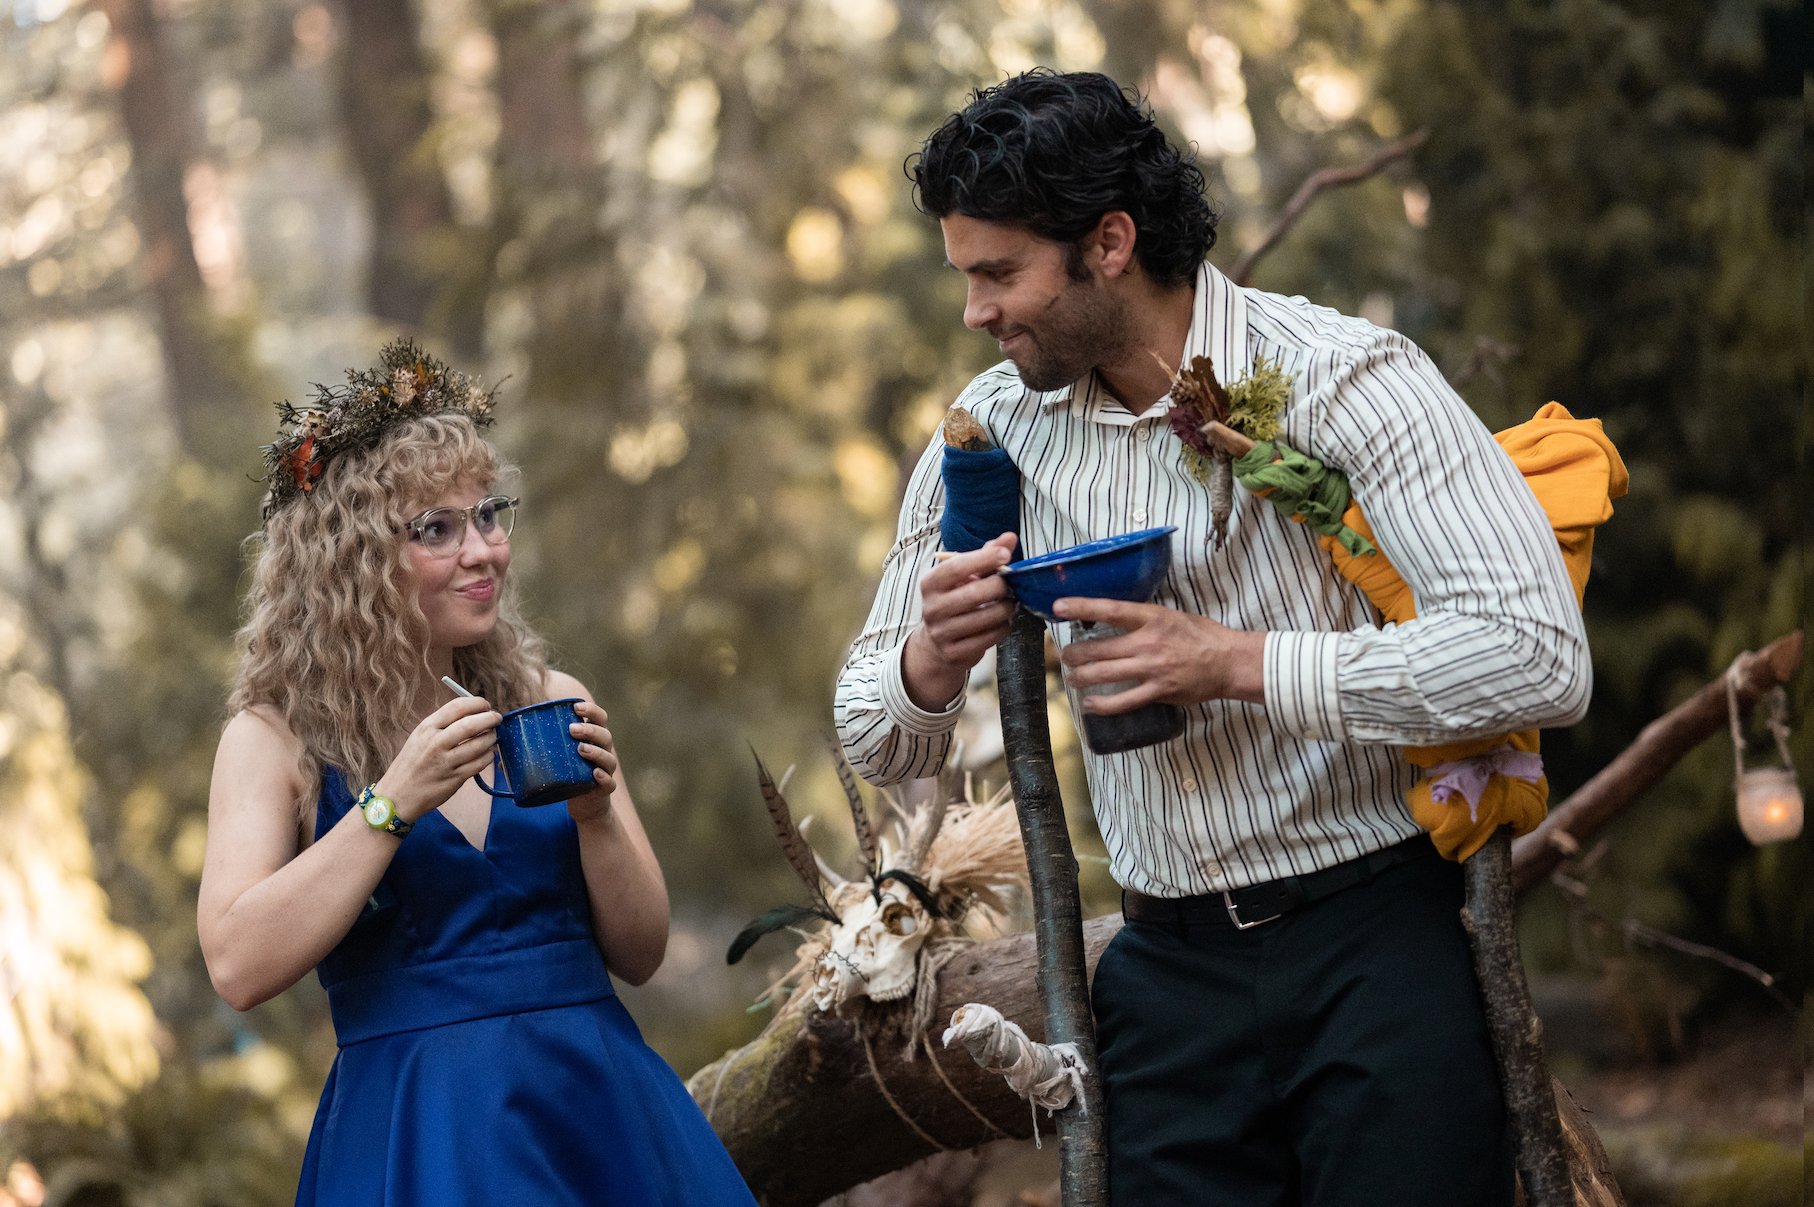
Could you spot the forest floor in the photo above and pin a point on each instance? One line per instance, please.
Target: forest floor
(1721, 1126)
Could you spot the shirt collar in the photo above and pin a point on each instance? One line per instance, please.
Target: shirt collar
(1218, 330)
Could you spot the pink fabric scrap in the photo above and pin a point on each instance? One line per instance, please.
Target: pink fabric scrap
(1467, 778)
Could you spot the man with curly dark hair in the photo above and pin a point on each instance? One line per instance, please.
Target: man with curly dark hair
(1290, 1014)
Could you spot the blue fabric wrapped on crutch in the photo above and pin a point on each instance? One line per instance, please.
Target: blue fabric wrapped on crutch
(982, 499)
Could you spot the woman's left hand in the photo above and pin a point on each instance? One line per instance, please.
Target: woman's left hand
(596, 747)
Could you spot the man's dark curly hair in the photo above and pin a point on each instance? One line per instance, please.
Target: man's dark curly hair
(1052, 152)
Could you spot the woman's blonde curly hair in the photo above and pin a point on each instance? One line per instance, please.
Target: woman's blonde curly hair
(334, 640)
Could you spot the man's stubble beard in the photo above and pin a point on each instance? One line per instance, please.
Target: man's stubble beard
(1083, 328)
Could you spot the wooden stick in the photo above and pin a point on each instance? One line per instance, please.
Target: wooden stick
(1489, 916)
(1064, 983)
(1064, 986)
(1327, 178)
(1226, 438)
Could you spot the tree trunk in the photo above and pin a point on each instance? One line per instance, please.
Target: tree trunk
(1020, 675)
(551, 200)
(384, 102)
(159, 116)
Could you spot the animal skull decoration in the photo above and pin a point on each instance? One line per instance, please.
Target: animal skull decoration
(951, 864)
(874, 947)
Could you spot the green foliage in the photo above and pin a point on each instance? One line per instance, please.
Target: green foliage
(1257, 399)
(211, 1137)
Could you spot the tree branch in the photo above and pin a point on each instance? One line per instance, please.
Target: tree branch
(1318, 182)
(1658, 747)
(1637, 932)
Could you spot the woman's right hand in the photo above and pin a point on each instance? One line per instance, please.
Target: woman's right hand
(450, 746)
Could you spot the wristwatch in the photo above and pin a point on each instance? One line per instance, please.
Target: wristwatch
(381, 812)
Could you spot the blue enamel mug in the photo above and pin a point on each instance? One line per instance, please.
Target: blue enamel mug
(538, 758)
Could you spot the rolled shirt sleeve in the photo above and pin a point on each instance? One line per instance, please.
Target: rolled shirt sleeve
(886, 736)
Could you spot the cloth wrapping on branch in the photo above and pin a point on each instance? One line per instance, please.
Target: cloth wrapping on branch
(1048, 1075)
(1468, 778)
(1304, 488)
(1575, 472)
(982, 499)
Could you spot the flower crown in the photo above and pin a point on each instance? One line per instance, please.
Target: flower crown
(407, 383)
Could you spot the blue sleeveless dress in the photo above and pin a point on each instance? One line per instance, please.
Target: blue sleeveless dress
(484, 1056)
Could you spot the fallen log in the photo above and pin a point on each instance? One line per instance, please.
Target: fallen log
(819, 1103)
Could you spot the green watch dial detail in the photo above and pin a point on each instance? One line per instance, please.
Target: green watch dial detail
(380, 813)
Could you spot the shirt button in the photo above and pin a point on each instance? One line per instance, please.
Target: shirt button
(1213, 870)
(1139, 515)
(1189, 785)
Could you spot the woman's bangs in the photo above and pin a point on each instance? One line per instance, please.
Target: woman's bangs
(443, 455)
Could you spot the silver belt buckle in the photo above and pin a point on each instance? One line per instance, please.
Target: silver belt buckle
(1234, 914)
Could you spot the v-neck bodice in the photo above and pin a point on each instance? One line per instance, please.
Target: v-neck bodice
(451, 928)
(484, 1056)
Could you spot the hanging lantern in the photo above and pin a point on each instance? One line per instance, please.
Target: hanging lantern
(1769, 799)
(1769, 805)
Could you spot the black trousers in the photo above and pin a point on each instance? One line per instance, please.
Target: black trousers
(1335, 1057)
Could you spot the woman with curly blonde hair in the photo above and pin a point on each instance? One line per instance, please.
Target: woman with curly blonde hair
(466, 947)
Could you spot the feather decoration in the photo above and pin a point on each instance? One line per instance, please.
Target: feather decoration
(793, 844)
(914, 885)
(779, 918)
(859, 816)
(829, 874)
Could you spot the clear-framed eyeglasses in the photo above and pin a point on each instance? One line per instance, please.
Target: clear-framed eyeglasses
(441, 531)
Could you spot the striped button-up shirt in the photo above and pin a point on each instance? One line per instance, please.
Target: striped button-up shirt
(1309, 778)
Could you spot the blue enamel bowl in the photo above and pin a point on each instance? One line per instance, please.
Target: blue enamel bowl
(1128, 567)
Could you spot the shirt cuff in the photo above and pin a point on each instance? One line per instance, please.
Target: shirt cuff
(901, 709)
(1299, 678)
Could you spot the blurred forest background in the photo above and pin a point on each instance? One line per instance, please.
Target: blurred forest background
(679, 232)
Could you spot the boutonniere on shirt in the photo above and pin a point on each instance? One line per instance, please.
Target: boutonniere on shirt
(1253, 405)
(1231, 433)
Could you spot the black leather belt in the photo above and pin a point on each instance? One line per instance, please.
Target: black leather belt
(1260, 903)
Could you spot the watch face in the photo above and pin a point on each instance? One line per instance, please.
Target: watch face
(377, 811)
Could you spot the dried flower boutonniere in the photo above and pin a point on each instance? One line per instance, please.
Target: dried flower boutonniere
(1254, 406)
(1232, 433)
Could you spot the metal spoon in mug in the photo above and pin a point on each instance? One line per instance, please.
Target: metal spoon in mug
(448, 679)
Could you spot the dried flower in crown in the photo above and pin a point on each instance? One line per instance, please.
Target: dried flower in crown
(407, 383)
